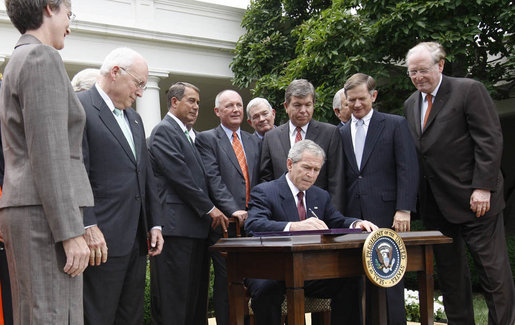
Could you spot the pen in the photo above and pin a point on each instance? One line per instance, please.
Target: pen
(313, 213)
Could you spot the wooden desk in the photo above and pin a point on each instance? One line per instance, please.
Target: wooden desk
(295, 259)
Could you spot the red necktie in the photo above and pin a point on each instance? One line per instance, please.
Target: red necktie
(429, 106)
(240, 155)
(300, 206)
(298, 137)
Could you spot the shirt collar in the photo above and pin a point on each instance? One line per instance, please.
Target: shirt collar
(229, 132)
(435, 91)
(366, 118)
(294, 190)
(106, 98)
(293, 128)
(182, 126)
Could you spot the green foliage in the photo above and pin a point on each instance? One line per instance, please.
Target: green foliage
(328, 41)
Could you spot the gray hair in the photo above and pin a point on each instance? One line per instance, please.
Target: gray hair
(177, 90)
(299, 88)
(85, 79)
(295, 153)
(257, 101)
(123, 57)
(357, 80)
(337, 99)
(28, 14)
(435, 49)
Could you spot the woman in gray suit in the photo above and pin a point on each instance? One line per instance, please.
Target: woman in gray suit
(45, 184)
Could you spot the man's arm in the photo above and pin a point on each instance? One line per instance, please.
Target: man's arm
(220, 194)
(168, 157)
(406, 165)
(485, 130)
(261, 217)
(266, 169)
(335, 167)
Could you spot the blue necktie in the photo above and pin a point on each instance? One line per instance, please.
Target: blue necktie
(359, 142)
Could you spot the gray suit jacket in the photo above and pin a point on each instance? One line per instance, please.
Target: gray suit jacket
(124, 187)
(181, 180)
(226, 181)
(42, 125)
(274, 154)
(460, 149)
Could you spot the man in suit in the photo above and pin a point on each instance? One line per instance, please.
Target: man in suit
(45, 183)
(261, 116)
(299, 104)
(231, 160)
(459, 144)
(127, 208)
(381, 174)
(179, 285)
(291, 203)
(341, 107)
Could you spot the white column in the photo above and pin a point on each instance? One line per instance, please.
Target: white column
(148, 106)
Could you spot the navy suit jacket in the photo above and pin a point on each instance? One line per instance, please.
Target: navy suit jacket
(272, 206)
(460, 149)
(388, 178)
(123, 186)
(226, 181)
(181, 181)
(274, 154)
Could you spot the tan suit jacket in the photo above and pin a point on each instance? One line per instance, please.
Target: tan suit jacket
(42, 125)
(45, 183)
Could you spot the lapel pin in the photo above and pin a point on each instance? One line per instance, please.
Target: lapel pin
(135, 121)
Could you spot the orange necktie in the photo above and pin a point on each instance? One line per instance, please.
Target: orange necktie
(429, 105)
(298, 137)
(240, 155)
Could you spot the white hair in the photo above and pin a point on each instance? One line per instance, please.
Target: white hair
(123, 57)
(337, 99)
(85, 79)
(257, 101)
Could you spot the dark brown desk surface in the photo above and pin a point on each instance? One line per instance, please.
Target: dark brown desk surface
(295, 259)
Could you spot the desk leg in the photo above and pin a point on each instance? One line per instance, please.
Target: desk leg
(236, 292)
(426, 288)
(295, 290)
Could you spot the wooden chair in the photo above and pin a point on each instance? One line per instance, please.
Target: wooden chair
(319, 308)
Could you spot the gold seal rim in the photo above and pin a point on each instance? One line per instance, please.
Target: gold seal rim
(369, 244)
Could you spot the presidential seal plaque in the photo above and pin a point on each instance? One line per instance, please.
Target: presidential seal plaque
(384, 257)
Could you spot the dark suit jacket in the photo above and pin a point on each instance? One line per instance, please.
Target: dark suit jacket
(274, 154)
(226, 181)
(123, 187)
(388, 178)
(272, 206)
(460, 149)
(182, 181)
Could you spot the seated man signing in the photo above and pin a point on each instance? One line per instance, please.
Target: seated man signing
(292, 203)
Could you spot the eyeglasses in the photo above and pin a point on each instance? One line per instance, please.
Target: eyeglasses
(71, 16)
(141, 84)
(422, 72)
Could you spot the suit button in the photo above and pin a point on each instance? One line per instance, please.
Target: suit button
(138, 197)
(360, 177)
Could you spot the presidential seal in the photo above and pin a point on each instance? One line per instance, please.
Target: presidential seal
(384, 257)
